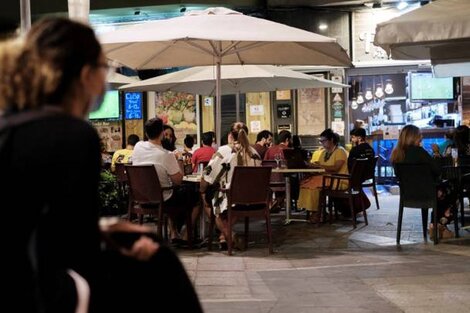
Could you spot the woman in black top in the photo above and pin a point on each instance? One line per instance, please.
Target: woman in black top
(409, 150)
(51, 168)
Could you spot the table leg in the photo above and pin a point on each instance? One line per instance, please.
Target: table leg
(289, 204)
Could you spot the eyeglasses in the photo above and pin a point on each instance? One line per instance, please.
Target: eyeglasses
(109, 68)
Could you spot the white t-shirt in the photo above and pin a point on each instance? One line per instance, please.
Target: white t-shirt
(165, 163)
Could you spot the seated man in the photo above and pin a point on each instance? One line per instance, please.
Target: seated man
(205, 153)
(124, 155)
(361, 149)
(169, 174)
(264, 139)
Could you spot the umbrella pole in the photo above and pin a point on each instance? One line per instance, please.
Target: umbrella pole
(237, 103)
(218, 106)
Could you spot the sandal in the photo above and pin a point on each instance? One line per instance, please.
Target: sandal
(314, 217)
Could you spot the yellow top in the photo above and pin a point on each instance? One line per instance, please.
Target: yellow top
(120, 156)
(316, 155)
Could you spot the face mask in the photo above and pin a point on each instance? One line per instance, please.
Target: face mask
(97, 100)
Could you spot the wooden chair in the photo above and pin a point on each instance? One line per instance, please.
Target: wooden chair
(417, 190)
(146, 197)
(247, 197)
(330, 189)
(369, 178)
(277, 184)
(123, 187)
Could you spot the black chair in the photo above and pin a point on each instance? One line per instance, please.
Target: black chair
(330, 189)
(418, 189)
(247, 197)
(369, 178)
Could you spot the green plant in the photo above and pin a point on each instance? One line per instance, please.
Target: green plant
(109, 200)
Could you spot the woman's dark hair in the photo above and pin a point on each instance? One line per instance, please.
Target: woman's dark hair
(329, 134)
(461, 140)
(169, 145)
(296, 142)
(54, 53)
(284, 135)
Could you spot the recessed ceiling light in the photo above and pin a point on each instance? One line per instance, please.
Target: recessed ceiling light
(323, 26)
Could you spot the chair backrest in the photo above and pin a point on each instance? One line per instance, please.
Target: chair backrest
(417, 185)
(120, 171)
(144, 184)
(369, 172)
(277, 178)
(360, 166)
(250, 185)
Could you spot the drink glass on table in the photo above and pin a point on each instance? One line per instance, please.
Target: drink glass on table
(278, 158)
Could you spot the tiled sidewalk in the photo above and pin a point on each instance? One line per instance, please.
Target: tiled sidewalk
(333, 268)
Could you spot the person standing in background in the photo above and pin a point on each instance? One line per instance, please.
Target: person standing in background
(124, 155)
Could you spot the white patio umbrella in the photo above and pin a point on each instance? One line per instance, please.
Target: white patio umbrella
(438, 31)
(116, 80)
(218, 36)
(235, 79)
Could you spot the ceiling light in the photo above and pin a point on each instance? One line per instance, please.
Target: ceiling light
(402, 5)
(323, 26)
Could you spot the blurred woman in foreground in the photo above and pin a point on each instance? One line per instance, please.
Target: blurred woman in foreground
(52, 165)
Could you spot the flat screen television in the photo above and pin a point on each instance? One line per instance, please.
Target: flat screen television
(109, 109)
(133, 105)
(426, 87)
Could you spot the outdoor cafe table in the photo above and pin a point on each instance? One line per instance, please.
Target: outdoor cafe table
(287, 171)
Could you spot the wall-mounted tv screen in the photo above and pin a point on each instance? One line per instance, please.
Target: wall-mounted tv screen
(133, 105)
(426, 87)
(109, 109)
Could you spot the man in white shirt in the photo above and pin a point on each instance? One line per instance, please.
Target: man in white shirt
(168, 170)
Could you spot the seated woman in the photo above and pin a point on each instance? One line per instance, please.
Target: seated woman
(409, 150)
(218, 173)
(333, 159)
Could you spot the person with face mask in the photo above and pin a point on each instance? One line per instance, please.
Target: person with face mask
(51, 158)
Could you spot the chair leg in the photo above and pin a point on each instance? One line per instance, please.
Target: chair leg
(229, 231)
(189, 229)
(400, 219)
(424, 221)
(269, 231)
(211, 229)
(436, 224)
(364, 212)
(462, 211)
(247, 230)
(455, 212)
(353, 214)
(376, 196)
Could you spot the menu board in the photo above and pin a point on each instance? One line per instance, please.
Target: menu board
(133, 105)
